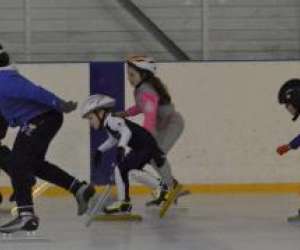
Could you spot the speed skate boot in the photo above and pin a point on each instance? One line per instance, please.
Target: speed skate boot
(118, 207)
(25, 221)
(83, 197)
(159, 196)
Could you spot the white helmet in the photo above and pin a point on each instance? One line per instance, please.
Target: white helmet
(143, 62)
(96, 102)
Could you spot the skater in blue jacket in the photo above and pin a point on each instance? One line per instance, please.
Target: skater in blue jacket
(39, 115)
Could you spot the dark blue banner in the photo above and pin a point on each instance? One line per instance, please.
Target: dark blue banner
(106, 78)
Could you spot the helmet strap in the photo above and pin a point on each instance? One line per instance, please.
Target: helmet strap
(99, 119)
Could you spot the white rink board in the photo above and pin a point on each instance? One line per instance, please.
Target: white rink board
(233, 121)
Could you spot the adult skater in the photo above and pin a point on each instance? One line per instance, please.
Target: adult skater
(39, 115)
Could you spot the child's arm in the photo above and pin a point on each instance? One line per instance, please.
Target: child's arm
(133, 111)
(105, 146)
(294, 144)
(118, 124)
(108, 144)
(149, 103)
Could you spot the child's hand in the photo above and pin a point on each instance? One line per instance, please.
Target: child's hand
(283, 149)
(97, 158)
(68, 107)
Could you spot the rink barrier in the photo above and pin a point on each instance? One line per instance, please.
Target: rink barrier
(194, 188)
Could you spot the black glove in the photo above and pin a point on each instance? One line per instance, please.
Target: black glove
(97, 158)
(68, 107)
(120, 154)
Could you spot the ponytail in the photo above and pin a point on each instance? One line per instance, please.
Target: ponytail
(158, 85)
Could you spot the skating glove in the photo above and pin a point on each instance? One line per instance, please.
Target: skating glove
(120, 154)
(283, 149)
(97, 158)
(68, 107)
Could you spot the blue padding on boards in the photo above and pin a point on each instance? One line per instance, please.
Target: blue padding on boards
(106, 78)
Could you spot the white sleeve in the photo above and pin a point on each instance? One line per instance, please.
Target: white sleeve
(118, 124)
(108, 144)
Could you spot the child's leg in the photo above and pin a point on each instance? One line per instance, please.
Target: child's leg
(167, 136)
(145, 177)
(133, 160)
(119, 184)
(162, 166)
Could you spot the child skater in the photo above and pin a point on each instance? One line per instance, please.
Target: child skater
(289, 95)
(126, 136)
(161, 119)
(39, 115)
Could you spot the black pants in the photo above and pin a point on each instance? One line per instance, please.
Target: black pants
(5, 154)
(28, 158)
(137, 159)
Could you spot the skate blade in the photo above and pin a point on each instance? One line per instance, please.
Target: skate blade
(5, 210)
(148, 204)
(23, 237)
(170, 200)
(294, 219)
(118, 217)
(181, 194)
(97, 205)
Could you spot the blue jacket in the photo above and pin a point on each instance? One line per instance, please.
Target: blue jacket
(21, 100)
(295, 143)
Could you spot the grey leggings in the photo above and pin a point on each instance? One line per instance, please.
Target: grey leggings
(166, 138)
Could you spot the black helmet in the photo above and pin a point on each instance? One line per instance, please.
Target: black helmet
(4, 57)
(289, 93)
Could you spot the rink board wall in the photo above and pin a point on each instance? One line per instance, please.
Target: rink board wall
(232, 121)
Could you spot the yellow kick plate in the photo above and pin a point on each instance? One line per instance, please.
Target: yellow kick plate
(170, 200)
(118, 217)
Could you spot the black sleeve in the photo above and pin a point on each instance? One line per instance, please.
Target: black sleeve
(3, 127)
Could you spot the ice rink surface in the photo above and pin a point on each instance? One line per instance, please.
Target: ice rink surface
(199, 222)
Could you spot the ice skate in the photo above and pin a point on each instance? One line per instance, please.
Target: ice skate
(159, 196)
(295, 218)
(83, 197)
(22, 228)
(170, 198)
(118, 207)
(26, 221)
